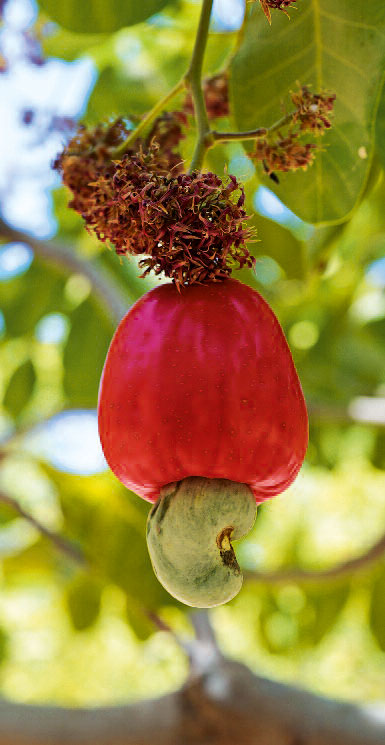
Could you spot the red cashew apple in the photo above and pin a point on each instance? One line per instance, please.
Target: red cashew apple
(200, 408)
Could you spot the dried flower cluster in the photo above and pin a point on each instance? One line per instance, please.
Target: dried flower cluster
(190, 227)
(286, 152)
(216, 93)
(88, 156)
(312, 110)
(268, 5)
(168, 131)
(86, 159)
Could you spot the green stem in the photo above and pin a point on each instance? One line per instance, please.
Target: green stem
(194, 80)
(252, 134)
(157, 109)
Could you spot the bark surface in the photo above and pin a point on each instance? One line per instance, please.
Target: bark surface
(224, 705)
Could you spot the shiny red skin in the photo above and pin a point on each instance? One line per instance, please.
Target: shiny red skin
(202, 383)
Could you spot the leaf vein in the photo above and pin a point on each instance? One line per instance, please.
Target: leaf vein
(345, 62)
(348, 22)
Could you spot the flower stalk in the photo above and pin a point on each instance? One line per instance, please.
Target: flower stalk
(194, 81)
(150, 116)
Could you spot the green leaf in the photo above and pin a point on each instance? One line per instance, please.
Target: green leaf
(378, 456)
(128, 565)
(292, 618)
(69, 46)
(19, 389)
(101, 16)
(84, 354)
(116, 92)
(139, 623)
(4, 645)
(380, 129)
(30, 296)
(327, 603)
(377, 610)
(83, 602)
(279, 243)
(99, 512)
(338, 45)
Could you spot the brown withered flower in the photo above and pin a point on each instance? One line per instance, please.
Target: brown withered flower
(198, 230)
(312, 110)
(189, 227)
(283, 153)
(168, 130)
(86, 158)
(113, 205)
(216, 93)
(268, 5)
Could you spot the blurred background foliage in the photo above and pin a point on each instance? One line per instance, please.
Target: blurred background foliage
(82, 635)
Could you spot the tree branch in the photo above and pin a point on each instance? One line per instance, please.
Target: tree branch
(104, 287)
(345, 568)
(227, 705)
(63, 544)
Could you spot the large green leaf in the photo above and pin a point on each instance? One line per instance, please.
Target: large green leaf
(20, 388)
(338, 45)
(380, 129)
(101, 16)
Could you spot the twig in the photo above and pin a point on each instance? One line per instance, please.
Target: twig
(104, 287)
(345, 568)
(63, 544)
(252, 134)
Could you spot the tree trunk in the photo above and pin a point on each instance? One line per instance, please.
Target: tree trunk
(225, 705)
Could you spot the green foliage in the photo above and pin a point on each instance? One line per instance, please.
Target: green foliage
(279, 243)
(377, 609)
(98, 16)
(84, 354)
(111, 93)
(99, 512)
(23, 309)
(380, 129)
(20, 389)
(4, 646)
(337, 45)
(139, 623)
(293, 618)
(83, 602)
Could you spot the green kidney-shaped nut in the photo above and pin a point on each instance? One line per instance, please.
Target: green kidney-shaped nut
(189, 533)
